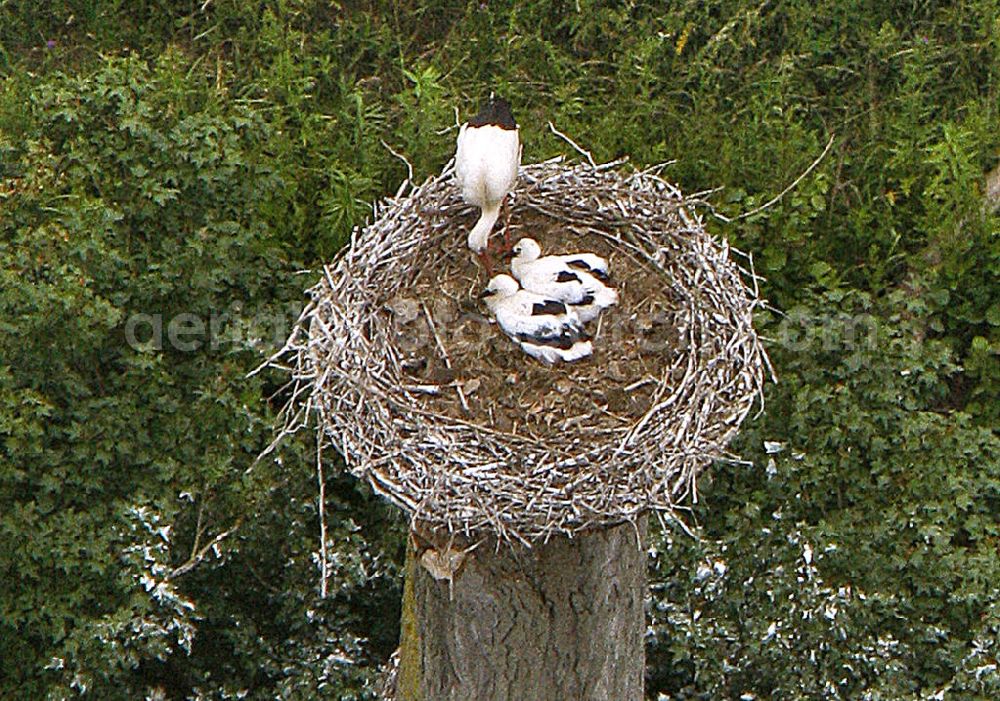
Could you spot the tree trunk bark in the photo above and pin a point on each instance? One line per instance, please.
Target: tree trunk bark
(562, 620)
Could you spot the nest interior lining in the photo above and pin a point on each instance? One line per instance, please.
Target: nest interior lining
(442, 413)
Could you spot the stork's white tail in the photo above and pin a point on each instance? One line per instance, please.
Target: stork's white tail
(551, 355)
(605, 296)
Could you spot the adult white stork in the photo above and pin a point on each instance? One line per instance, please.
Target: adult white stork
(486, 163)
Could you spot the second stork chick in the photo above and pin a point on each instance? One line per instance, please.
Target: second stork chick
(578, 279)
(545, 329)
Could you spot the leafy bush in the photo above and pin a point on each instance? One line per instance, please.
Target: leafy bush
(860, 562)
(140, 283)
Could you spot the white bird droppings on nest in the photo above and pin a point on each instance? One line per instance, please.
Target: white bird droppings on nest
(397, 361)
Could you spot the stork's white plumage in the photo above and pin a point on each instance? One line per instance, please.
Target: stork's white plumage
(486, 162)
(576, 279)
(545, 329)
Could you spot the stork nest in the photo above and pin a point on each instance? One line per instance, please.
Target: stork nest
(439, 411)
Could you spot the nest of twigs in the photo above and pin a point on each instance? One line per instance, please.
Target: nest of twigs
(431, 404)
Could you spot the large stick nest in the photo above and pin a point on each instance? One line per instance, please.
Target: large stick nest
(434, 407)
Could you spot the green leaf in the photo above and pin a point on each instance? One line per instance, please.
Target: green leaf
(993, 314)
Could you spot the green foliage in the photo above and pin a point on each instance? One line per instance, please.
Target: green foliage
(141, 281)
(861, 562)
(186, 158)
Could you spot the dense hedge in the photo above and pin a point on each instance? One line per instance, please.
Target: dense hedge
(166, 169)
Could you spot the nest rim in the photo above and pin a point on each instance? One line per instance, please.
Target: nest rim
(468, 478)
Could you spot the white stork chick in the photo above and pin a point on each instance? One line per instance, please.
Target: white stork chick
(544, 328)
(486, 162)
(576, 279)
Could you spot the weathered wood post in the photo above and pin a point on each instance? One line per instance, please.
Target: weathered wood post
(561, 620)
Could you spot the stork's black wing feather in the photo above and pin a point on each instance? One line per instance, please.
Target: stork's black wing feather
(561, 341)
(582, 265)
(496, 112)
(556, 334)
(564, 339)
(567, 276)
(549, 306)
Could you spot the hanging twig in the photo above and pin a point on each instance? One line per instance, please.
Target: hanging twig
(582, 151)
(322, 515)
(774, 200)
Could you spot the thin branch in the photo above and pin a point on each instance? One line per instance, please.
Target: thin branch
(199, 529)
(582, 151)
(409, 167)
(197, 557)
(324, 572)
(456, 125)
(774, 200)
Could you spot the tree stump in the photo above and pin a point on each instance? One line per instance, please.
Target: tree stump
(561, 620)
